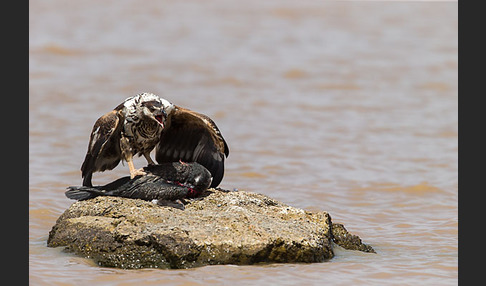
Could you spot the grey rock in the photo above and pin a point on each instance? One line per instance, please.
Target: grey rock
(221, 227)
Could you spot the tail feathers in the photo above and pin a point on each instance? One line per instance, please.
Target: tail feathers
(81, 193)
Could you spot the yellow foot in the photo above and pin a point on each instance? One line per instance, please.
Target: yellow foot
(137, 173)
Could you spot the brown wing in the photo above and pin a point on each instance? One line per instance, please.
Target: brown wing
(193, 137)
(104, 147)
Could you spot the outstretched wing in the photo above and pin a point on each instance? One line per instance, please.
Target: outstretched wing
(104, 147)
(193, 137)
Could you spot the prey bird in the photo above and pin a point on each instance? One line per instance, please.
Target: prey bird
(146, 121)
(163, 182)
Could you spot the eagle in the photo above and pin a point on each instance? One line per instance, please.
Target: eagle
(144, 122)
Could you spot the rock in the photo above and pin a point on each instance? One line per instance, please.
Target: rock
(347, 240)
(221, 227)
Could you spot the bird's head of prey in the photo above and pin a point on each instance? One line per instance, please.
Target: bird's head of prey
(155, 108)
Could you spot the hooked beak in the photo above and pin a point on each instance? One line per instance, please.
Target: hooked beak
(161, 118)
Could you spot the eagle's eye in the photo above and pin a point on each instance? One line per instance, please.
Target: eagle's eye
(152, 106)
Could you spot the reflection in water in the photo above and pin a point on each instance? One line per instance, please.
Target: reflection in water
(348, 107)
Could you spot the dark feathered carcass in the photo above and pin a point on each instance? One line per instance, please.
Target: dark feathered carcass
(167, 181)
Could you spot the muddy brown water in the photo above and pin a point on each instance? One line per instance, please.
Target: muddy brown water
(347, 107)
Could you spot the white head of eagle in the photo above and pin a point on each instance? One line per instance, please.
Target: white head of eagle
(147, 106)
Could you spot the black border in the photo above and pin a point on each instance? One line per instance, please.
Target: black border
(471, 140)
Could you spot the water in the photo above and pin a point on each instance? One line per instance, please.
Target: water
(347, 107)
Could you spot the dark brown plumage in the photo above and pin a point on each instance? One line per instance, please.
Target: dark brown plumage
(146, 121)
(193, 137)
(104, 152)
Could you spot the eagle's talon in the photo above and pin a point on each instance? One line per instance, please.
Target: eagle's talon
(138, 172)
